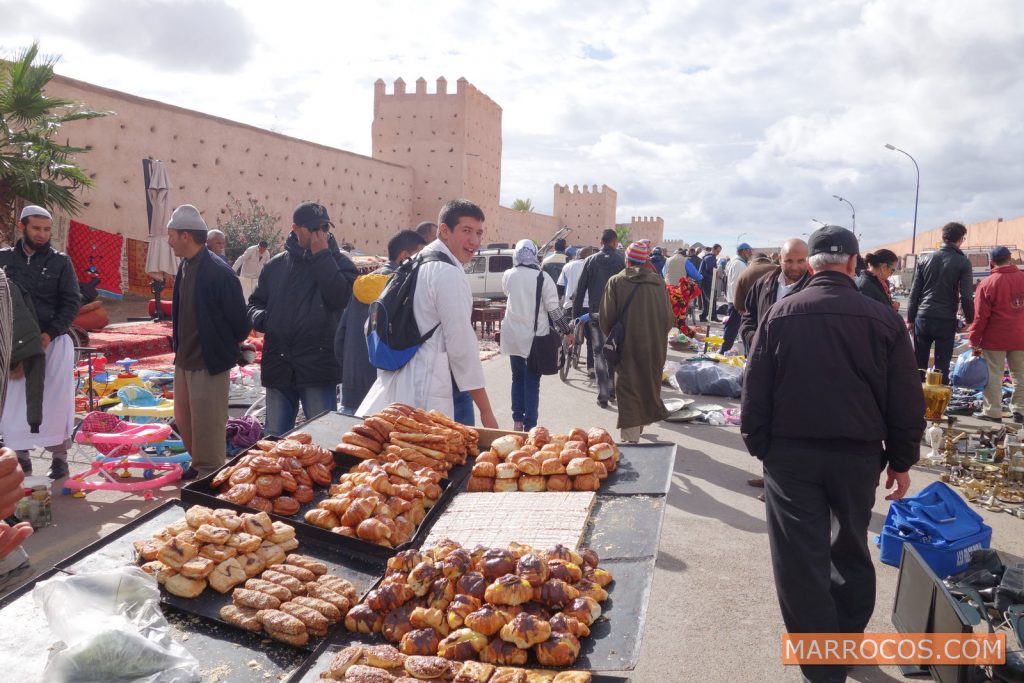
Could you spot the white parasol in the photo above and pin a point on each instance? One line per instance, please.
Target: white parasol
(160, 259)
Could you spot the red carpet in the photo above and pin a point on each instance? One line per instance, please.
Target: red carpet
(133, 341)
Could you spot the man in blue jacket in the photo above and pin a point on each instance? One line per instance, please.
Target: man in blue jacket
(707, 271)
(297, 304)
(208, 324)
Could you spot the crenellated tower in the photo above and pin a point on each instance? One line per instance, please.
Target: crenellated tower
(647, 227)
(587, 211)
(451, 141)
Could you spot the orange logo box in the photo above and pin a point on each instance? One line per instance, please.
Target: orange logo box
(885, 649)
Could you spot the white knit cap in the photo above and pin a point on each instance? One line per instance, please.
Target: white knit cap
(33, 210)
(186, 217)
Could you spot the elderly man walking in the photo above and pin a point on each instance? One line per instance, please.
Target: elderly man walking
(831, 397)
(636, 297)
(998, 334)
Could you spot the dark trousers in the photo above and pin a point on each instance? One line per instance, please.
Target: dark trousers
(586, 337)
(825, 581)
(525, 393)
(605, 374)
(705, 298)
(942, 333)
(463, 402)
(731, 328)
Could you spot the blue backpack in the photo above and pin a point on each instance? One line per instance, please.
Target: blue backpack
(392, 336)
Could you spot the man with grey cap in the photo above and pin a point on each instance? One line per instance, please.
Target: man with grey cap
(297, 304)
(831, 397)
(208, 325)
(48, 279)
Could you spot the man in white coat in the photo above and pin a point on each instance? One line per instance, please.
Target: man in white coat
(443, 299)
(249, 266)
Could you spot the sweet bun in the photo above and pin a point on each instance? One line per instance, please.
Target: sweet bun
(525, 631)
(538, 436)
(511, 590)
(503, 653)
(560, 649)
(529, 465)
(184, 587)
(563, 552)
(473, 584)
(486, 620)
(460, 607)
(286, 506)
(506, 470)
(577, 434)
(474, 672)
(506, 485)
(532, 484)
(555, 594)
(565, 624)
(563, 570)
(504, 445)
(426, 668)
(497, 562)
(533, 569)
(559, 482)
(599, 435)
(462, 644)
(602, 577)
(383, 657)
(602, 451)
(303, 494)
(480, 484)
(586, 482)
(600, 470)
(585, 609)
(489, 457)
(360, 673)
(570, 454)
(552, 466)
(578, 466)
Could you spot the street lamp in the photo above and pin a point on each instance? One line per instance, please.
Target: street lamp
(851, 209)
(917, 192)
(819, 222)
(742, 234)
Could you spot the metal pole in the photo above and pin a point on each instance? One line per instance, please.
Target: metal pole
(853, 210)
(917, 193)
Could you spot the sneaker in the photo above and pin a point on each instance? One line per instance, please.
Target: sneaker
(26, 465)
(190, 474)
(987, 418)
(58, 469)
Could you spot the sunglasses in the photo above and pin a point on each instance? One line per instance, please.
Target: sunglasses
(325, 227)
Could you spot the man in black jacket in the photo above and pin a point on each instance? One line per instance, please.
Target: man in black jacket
(942, 283)
(830, 398)
(297, 303)
(776, 284)
(208, 323)
(597, 270)
(48, 277)
(708, 263)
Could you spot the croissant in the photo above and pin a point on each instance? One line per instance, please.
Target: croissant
(560, 649)
(404, 561)
(462, 644)
(486, 620)
(513, 590)
(498, 651)
(423, 642)
(556, 594)
(456, 563)
(362, 619)
(325, 519)
(560, 623)
(440, 594)
(584, 609)
(459, 608)
(533, 569)
(525, 631)
(569, 572)
(388, 597)
(472, 583)
(422, 577)
(373, 530)
(396, 623)
(497, 562)
(589, 589)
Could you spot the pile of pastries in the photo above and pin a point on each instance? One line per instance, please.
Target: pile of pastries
(276, 476)
(578, 461)
(291, 601)
(216, 548)
(427, 439)
(493, 604)
(379, 502)
(385, 664)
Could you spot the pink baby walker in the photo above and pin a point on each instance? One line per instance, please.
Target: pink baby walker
(119, 448)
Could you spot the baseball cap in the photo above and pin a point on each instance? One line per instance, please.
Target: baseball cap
(743, 247)
(832, 239)
(311, 215)
(998, 254)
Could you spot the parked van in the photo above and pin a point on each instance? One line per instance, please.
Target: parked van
(485, 270)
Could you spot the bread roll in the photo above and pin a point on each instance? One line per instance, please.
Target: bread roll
(532, 484)
(578, 466)
(586, 482)
(506, 485)
(559, 482)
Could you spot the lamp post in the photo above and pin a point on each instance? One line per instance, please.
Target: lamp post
(819, 222)
(917, 192)
(742, 234)
(852, 210)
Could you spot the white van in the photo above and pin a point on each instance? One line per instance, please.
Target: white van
(484, 272)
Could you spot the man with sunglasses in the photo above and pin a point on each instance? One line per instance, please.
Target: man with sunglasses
(297, 304)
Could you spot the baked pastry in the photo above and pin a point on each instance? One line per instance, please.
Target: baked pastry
(426, 668)
(148, 549)
(561, 649)
(578, 466)
(456, 563)
(287, 580)
(316, 624)
(556, 594)
(483, 469)
(440, 594)
(387, 597)
(565, 624)
(506, 485)
(252, 564)
(504, 445)
(197, 568)
(262, 504)
(240, 494)
(360, 673)
(506, 470)
(226, 575)
(459, 608)
(586, 482)
(585, 609)
(425, 617)
(271, 553)
(243, 542)
(242, 617)
(303, 575)
(472, 583)
(383, 657)
(422, 577)
(198, 515)
(474, 672)
(589, 557)
(563, 570)
(572, 677)
(177, 552)
(329, 610)
(539, 676)
(508, 675)
(552, 466)
(599, 435)
(303, 494)
(246, 597)
(184, 587)
(462, 644)
(286, 506)
(218, 553)
(422, 641)
(362, 619)
(396, 623)
(497, 562)
(270, 588)
(602, 577)
(489, 456)
(281, 532)
(373, 530)
(525, 631)
(342, 662)
(153, 568)
(241, 475)
(570, 454)
(532, 568)
(486, 620)
(600, 470)
(589, 589)
(281, 622)
(532, 484)
(339, 585)
(528, 464)
(498, 651)
(538, 436)
(512, 590)
(268, 485)
(559, 482)
(404, 561)
(258, 524)
(325, 519)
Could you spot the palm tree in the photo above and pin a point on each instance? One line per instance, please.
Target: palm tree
(33, 165)
(524, 205)
(622, 233)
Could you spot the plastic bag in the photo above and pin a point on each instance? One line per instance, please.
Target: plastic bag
(113, 630)
(969, 371)
(709, 379)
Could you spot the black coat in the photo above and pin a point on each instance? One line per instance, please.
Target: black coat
(50, 278)
(220, 312)
(943, 282)
(597, 270)
(357, 374)
(297, 303)
(870, 286)
(27, 349)
(760, 298)
(833, 372)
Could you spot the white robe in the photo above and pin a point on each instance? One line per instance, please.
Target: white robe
(58, 402)
(520, 286)
(442, 296)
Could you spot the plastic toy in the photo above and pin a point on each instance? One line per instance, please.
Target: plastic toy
(119, 446)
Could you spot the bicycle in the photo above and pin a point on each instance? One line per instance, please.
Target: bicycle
(569, 354)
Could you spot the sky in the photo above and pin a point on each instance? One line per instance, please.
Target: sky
(724, 118)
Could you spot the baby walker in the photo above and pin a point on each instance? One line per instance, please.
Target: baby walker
(139, 406)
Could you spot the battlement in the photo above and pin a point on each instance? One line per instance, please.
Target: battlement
(587, 189)
(399, 90)
(646, 219)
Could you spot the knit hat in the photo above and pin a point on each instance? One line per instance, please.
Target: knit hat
(639, 252)
(186, 217)
(33, 210)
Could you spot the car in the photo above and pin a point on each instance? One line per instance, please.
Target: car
(486, 269)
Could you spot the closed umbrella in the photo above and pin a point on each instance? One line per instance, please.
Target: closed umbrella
(160, 259)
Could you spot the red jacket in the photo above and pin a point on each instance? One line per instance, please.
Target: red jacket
(999, 320)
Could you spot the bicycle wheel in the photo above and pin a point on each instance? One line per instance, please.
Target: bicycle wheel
(577, 347)
(564, 358)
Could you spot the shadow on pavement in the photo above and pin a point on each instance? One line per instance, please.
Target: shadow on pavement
(686, 493)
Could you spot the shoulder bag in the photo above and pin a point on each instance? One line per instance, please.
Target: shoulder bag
(612, 348)
(543, 358)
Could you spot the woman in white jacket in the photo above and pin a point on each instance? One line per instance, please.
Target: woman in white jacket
(522, 314)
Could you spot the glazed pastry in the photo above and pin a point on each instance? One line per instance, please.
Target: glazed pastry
(497, 562)
(585, 609)
(508, 675)
(483, 469)
(538, 436)
(533, 569)
(561, 649)
(404, 561)
(472, 583)
(456, 563)
(242, 617)
(426, 668)
(339, 585)
(529, 465)
(440, 594)
(342, 661)
(322, 592)
(286, 580)
(486, 620)
(316, 624)
(572, 677)
(462, 644)
(578, 466)
(226, 576)
(270, 588)
(502, 652)
(424, 617)
(599, 435)
(245, 597)
(536, 609)
(285, 506)
(589, 557)
(474, 672)
(480, 484)
(177, 552)
(240, 494)
(562, 623)
(555, 594)
(303, 494)
(561, 552)
(512, 590)
(422, 577)
(600, 470)
(361, 673)
(184, 587)
(459, 608)
(396, 623)
(504, 445)
(362, 619)
(383, 657)
(260, 503)
(562, 570)
(196, 568)
(330, 612)
(589, 589)
(525, 631)
(423, 641)
(506, 470)
(241, 475)
(602, 577)
(243, 542)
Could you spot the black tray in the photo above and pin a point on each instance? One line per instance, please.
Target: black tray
(643, 469)
(310, 670)
(624, 527)
(200, 492)
(116, 550)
